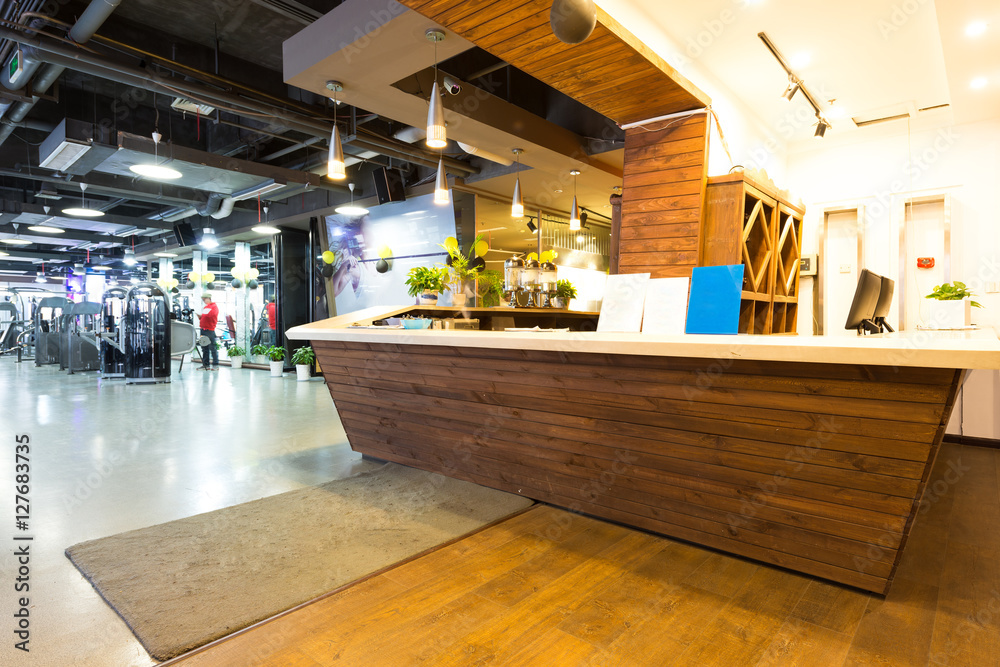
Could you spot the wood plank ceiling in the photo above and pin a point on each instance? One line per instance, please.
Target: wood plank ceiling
(611, 72)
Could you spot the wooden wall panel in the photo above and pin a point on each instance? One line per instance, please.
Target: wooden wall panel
(663, 197)
(818, 468)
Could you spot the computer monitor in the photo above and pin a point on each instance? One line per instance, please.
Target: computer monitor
(865, 300)
(883, 304)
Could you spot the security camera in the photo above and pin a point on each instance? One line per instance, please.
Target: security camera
(452, 85)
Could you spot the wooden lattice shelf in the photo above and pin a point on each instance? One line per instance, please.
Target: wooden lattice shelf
(748, 224)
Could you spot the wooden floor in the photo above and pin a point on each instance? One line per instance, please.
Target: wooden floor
(552, 588)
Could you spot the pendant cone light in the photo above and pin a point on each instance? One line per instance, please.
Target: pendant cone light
(517, 204)
(441, 195)
(336, 169)
(437, 135)
(574, 216)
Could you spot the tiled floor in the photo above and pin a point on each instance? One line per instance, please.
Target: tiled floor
(106, 458)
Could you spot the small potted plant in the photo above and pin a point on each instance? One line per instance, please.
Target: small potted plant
(236, 354)
(276, 356)
(303, 358)
(425, 283)
(952, 306)
(564, 292)
(259, 353)
(490, 288)
(464, 270)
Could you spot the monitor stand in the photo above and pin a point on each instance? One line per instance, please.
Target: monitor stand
(883, 325)
(867, 327)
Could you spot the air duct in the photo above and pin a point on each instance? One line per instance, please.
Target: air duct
(486, 155)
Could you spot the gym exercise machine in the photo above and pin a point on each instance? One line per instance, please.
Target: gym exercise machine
(147, 334)
(112, 333)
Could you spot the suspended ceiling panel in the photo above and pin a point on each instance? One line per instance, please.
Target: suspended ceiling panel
(611, 72)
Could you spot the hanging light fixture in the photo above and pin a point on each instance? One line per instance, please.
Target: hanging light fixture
(336, 168)
(351, 209)
(574, 215)
(441, 195)
(46, 229)
(208, 239)
(437, 135)
(155, 171)
(40, 277)
(83, 211)
(264, 227)
(517, 204)
(16, 239)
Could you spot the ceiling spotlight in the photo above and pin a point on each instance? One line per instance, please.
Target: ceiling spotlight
(351, 209)
(532, 227)
(82, 211)
(793, 87)
(44, 229)
(208, 239)
(976, 28)
(129, 258)
(821, 127)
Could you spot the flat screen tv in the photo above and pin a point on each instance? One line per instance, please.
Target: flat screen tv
(861, 316)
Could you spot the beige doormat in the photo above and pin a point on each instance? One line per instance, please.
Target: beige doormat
(182, 584)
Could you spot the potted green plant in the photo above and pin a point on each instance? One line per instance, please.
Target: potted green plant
(259, 353)
(953, 305)
(462, 270)
(236, 354)
(276, 356)
(425, 283)
(303, 358)
(564, 292)
(490, 288)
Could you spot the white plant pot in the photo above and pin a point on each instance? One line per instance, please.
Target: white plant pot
(236, 362)
(277, 368)
(302, 372)
(950, 314)
(259, 359)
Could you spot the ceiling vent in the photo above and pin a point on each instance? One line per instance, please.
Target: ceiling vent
(183, 104)
(47, 194)
(60, 152)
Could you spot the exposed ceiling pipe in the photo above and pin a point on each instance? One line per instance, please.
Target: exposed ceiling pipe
(92, 18)
(58, 54)
(486, 155)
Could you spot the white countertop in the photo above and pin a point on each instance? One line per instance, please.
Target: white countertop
(979, 349)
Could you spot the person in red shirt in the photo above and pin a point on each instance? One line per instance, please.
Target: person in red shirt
(271, 318)
(209, 320)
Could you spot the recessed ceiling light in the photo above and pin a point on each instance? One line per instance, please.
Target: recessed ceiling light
(44, 229)
(976, 28)
(155, 171)
(800, 60)
(83, 212)
(557, 191)
(978, 82)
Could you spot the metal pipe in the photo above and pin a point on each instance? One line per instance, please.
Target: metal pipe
(92, 19)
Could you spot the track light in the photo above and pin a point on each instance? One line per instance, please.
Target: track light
(821, 127)
(793, 87)
(532, 227)
(437, 135)
(574, 215)
(441, 195)
(517, 204)
(336, 168)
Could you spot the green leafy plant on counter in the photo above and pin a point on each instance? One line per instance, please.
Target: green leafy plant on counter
(275, 353)
(490, 288)
(955, 291)
(463, 268)
(565, 290)
(304, 356)
(423, 279)
(236, 351)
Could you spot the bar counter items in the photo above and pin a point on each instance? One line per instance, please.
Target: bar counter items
(512, 270)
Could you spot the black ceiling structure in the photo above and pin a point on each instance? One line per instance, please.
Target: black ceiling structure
(99, 78)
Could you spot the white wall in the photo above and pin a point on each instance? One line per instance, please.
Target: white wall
(879, 168)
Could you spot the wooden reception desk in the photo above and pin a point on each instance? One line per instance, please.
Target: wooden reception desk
(810, 453)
